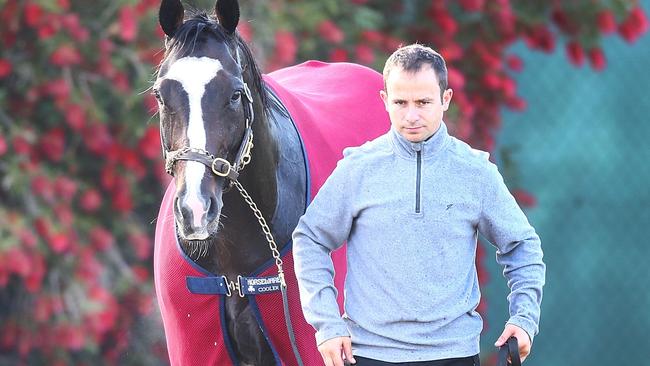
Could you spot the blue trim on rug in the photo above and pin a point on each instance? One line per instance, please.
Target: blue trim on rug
(306, 160)
(302, 146)
(288, 246)
(224, 331)
(258, 316)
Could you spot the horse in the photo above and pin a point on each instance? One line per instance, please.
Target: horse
(246, 151)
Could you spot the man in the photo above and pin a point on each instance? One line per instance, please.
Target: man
(410, 204)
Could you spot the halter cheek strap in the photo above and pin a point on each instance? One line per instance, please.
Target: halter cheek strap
(219, 166)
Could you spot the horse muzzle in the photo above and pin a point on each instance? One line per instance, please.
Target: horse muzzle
(197, 215)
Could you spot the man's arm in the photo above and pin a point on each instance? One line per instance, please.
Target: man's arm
(324, 227)
(520, 254)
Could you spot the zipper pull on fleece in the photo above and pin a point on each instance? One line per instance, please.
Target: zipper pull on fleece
(417, 146)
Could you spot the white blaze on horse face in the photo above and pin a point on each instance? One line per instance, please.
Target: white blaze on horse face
(194, 73)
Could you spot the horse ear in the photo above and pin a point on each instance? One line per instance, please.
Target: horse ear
(170, 16)
(228, 14)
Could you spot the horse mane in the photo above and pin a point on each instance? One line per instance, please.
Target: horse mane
(198, 23)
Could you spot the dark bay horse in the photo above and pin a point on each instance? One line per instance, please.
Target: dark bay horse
(247, 152)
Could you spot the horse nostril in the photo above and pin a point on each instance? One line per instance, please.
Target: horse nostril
(183, 210)
(213, 209)
(178, 207)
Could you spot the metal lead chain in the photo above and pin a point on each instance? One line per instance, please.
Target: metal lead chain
(265, 229)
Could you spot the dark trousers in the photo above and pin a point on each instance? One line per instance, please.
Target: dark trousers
(463, 361)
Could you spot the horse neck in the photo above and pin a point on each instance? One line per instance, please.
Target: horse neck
(259, 176)
(276, 179)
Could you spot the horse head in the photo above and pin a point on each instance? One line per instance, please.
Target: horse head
(206, 111)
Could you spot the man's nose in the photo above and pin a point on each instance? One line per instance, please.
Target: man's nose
(412, 114)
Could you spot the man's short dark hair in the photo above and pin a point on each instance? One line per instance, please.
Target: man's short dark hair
(411, 58)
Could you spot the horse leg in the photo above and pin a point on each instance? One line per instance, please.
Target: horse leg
(249, 342)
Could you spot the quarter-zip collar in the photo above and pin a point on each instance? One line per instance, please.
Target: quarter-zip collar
(429, 147)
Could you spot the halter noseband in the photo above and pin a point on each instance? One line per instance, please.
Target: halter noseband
(219, 166)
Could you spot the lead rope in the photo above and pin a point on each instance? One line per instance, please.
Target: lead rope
(510, 348)
(278, 262)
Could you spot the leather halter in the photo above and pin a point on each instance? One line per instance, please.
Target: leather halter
(219, 166)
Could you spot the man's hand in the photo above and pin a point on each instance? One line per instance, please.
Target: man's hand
(336, 350)
(522, 338)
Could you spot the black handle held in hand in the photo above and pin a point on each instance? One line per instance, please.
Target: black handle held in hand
(511, 347)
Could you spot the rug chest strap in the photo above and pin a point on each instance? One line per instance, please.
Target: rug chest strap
(243, 286)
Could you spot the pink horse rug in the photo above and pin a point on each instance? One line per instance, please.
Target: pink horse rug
(333, 106)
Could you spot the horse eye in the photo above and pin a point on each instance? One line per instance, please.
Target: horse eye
(156, 93)
(236, 95)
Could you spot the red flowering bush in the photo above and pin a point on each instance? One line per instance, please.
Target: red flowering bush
(474, 36)
(79, 182)
(80, 167)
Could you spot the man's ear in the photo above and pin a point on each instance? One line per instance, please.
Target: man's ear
(446, 98)
(384, 98)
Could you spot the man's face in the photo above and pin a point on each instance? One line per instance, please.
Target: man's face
(413, 102)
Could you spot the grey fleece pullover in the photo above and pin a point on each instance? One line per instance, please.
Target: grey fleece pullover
(410, 213)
